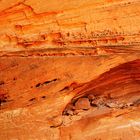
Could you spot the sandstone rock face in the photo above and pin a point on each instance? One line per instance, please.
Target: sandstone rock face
(69, 70)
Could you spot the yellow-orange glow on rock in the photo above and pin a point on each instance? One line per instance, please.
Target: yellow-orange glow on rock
(69, 70)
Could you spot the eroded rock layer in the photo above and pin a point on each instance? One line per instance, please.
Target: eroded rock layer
(69, 70)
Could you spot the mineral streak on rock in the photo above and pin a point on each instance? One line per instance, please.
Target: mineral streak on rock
(69, 70)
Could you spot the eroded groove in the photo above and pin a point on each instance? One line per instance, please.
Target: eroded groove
(45, 83)
(4, 98)
(122, 75)
(2, 83)
(98, 92)
(73, 51)
(92, 102)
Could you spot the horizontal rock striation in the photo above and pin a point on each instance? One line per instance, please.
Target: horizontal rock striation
(69, 70)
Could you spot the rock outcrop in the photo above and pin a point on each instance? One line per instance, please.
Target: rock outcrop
(69, 70)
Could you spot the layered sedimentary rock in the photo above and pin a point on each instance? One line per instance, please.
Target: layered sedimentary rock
(69, 70)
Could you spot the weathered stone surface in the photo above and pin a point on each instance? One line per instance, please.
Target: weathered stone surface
(82, 103)
(55, 54)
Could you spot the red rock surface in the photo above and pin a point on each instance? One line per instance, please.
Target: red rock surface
(53, 54)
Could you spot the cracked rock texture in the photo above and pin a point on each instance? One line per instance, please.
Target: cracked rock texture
(69, 70)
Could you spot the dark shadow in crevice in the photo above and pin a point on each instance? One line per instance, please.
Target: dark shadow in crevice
(43, 97)
(45, 83)
(32, 99)
(2, 83)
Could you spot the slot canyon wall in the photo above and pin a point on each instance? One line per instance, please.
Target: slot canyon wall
(70, 70)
